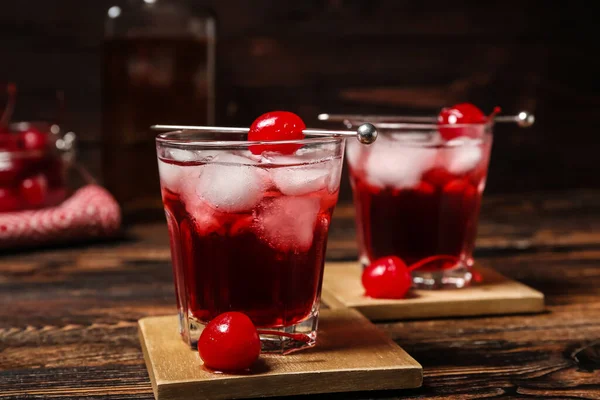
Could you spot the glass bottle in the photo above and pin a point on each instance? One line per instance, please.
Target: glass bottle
(158, 68)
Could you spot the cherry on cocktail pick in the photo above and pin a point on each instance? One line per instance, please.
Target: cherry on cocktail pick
(389, 277)
(365, 133)
(460, 115)
(276, 126)
(229, 343)
(463, 113)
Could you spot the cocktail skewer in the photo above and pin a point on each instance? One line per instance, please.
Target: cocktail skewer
(524, 118)
(366, 133)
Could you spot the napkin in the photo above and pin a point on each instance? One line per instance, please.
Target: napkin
(90, 212)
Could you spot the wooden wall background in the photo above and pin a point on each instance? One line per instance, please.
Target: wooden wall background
(381, 56)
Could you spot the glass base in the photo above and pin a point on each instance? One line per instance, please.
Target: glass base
(455, 278)
(289, 339)
(279, 340)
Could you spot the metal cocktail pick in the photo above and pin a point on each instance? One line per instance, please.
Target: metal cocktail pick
(524, 118)
(366, 133)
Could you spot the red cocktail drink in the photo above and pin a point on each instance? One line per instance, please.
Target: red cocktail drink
(417, 196)
(249, 231)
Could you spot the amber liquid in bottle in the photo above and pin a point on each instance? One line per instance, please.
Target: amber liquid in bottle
(149, 81)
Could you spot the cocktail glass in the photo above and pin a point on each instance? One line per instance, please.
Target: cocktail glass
(249, 232)
(417, 196)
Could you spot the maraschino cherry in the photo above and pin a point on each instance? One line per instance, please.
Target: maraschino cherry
(6, 140)
(33, 139)
(463, 113)
(229, 343)
(9, 200)
(389, 277)
(34, 190)
(276, 126)
(460, 114)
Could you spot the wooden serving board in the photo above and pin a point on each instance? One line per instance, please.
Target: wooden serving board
(351, 354)
(496, 294)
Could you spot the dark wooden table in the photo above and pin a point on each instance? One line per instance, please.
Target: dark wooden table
(68, 316)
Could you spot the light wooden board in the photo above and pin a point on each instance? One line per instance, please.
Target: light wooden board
(351, 354)
(496, 294)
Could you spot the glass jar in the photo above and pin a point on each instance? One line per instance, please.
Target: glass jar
(158, 68)
(34, 158)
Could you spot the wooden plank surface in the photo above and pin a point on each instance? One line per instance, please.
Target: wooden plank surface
(351, 354)
(495, 295)
(68, 317)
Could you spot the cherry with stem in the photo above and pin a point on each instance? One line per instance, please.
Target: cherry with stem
(497, 110)
(11, 91)
(447, 259)
(390, 278)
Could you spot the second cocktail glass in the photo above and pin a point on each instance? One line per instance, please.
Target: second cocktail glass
(249, 232)
(417, 196)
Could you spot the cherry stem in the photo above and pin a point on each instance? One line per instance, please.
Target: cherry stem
(60, 98)
(295, 336)
(430, 259)
(495, 112)
(11, 90)
(84, 173)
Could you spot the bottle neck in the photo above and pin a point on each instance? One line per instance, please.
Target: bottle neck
(158, 18)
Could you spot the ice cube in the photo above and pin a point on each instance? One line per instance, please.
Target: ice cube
(181, 155)
(296, 181)
(170, 175)
(268, 157)
(334, 177)
(232, 159)
(207, 223)
(462, 157)
(287, 223)
(179, 178)
(416, 138)
(353, 152)
(205, 218)
(230, 183)
(254, 158)
(398, 165)
(186, 156)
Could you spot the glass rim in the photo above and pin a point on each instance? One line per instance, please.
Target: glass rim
(391, 124)
(389, 129)
(402, 136)
(20, 126)
(168, 139)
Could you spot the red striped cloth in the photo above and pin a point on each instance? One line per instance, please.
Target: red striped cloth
(91, 212)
